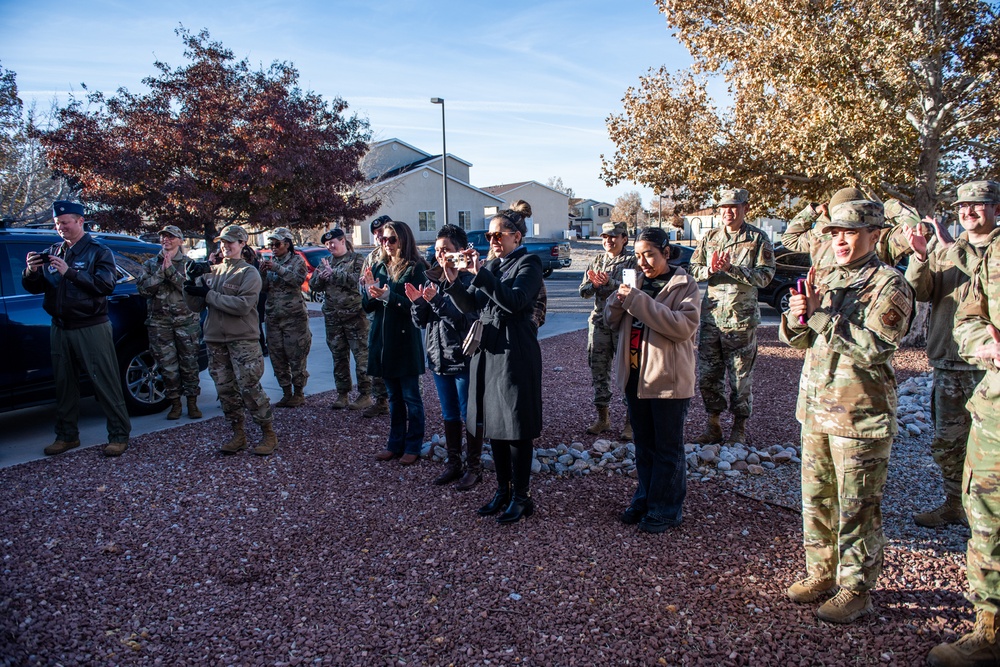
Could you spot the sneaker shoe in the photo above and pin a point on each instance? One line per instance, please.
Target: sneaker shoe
(809, 589)
(846, 607)
(115, 448)
(61, 446)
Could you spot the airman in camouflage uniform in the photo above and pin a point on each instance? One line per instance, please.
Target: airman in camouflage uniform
(976, 330)
(601, 281)
(235, 359)
(735, 259)
(854, 315)
(288, 335)
(346, 324)
(379, 393)
(174, 331)
(938, 271)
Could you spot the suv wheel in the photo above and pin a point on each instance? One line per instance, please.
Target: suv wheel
(781, 300)
(141, 381)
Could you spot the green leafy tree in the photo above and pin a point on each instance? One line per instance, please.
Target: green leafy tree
(214, 143)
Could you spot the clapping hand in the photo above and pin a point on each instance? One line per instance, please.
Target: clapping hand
(597, 278)
(429, 292)
(940, 231)
(917, 241)
(720, 262)
(412, 291)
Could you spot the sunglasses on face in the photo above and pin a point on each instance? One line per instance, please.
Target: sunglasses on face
(495, 236)
(389, 240)
(274, 244)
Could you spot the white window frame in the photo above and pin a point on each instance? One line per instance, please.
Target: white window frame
(427, 221)
(465, 220)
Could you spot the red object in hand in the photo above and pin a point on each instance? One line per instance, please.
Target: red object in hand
(800, 286)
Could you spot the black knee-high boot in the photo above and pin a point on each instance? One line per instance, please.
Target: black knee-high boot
(521, 504)
(502, 462)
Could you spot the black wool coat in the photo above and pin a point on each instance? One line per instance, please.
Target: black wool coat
(505, 388)
(395, 344)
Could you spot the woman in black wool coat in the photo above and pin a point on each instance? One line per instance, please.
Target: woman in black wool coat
(505, 390)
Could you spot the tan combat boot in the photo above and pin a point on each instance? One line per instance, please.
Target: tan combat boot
(380, 407)
(713, 431)
(298, 398)
(846, 607)
(238, 441)
(603, 421)
(626, 434)
(979, 647)
(285, 398)
(738, 433)
(175, 408)
(268, 442)
(115, 448)
(362, 402)
(193, 411)
(60, 446)
(810, 588)
(949, 513)
(341, 401)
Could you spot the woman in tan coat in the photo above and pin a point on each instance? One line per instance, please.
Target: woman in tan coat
(657, 323)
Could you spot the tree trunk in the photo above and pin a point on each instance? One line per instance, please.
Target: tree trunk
(917, 336)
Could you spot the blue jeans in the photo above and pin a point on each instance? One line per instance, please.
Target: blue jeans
(658, 432)
(453, 392)
(406, 415)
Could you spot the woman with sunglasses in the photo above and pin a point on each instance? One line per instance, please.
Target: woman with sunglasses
(288, 335)
(395, 348)
(447, 327)
(505, 387)
(657, 321)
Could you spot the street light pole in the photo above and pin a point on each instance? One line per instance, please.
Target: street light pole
(444, 157)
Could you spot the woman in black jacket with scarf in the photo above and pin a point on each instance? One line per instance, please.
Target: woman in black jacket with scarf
(447, 327)
(505, 387)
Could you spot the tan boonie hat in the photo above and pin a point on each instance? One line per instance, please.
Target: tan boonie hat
(987, 192)
(233, 233)
(614, 229)
(173, 230)
(282, 234)
(856, 215)
(733, 197)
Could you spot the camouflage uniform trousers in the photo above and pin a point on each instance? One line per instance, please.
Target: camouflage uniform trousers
(981, 499)
(842, 482)
(175, 349)
(345, 337)
(288, 341)
(720, 350)
(236, 367)
(602, 342)
(952, 421)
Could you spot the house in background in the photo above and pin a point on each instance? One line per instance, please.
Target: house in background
(409, 182)
(590, 215)
(548, 206)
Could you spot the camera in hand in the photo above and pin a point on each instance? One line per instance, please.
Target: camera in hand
(456, 259)
(196, 269)
(45, 255)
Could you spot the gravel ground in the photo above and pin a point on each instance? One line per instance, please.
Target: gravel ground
(176, 555)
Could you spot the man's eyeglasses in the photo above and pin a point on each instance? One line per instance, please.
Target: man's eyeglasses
(495, 236)
(969, 206)
(389, 240)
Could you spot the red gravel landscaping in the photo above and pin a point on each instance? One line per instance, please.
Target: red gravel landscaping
(176, 555)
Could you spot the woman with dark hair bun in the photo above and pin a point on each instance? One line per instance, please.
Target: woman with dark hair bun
(505, 386)
(395, 348)
(657, 321)
(447, 327)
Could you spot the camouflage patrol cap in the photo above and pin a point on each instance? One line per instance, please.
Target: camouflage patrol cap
(859, 214)
(232, 233)
(733, 197)
(987, 192)
(845, 195)
(173, 230)
(897, 212)
(614, 229)
(281, 234)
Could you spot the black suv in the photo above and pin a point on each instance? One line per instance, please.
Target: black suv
(26, 365)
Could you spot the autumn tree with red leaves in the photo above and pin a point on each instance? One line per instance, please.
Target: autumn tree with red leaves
(214, 143)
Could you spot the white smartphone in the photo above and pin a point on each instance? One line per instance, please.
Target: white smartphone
(629, 277)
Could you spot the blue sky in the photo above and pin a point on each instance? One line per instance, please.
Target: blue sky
(527, 85)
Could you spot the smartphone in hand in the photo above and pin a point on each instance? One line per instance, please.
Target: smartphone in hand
(629, 278)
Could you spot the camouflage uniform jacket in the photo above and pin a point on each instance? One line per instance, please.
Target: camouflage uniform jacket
(341, 297)
(234, 287)
(164, 291)
(847, 387)
(731, 298)
(804, 234)
(613, 266)
(980, 306)
(284, 286)
(940, 280)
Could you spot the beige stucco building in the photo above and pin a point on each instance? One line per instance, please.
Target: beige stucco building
(549, 207)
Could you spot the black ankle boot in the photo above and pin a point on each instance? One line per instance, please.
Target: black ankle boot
(521, 505)
(500, 500)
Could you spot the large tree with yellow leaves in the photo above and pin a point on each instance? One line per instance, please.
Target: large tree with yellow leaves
(899, 98)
